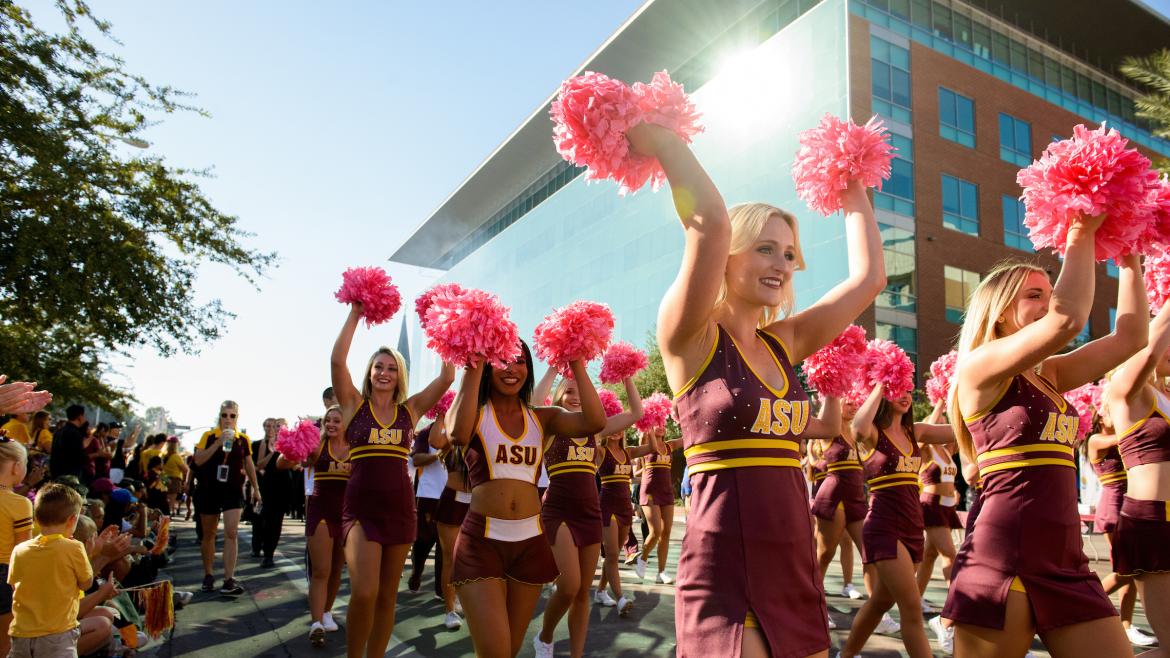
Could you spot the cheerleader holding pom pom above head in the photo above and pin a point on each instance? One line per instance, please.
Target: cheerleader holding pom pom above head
(1136, 397)
(1011, 422)
(502, 557)
(729, 343)
(378, 514)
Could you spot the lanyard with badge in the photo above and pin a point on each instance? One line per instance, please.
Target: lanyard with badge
(229, 439)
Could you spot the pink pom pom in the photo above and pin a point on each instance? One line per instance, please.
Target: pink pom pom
(610, 402)
(470, 327)
(370, 287)
(577, 332)
(1157, 235)
(938, 387)
(833, 369)
(297, 443)
(441, 407)
(592, 113)
(836, 152)
(888, 365)
(655, 410)
(621, 360)
(424, 301)
(1157, 278)
(1091, 173)
(1086, 399)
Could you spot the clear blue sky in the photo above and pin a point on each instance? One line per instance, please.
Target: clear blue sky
(335, 129)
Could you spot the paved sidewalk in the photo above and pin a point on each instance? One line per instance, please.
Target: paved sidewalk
(271, 618)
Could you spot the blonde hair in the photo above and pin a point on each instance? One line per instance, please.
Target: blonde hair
(747, 223)
(228, 404)
(13, 451)
(400, 388)
(991, 299)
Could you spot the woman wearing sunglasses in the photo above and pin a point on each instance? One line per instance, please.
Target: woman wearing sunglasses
(223, 457)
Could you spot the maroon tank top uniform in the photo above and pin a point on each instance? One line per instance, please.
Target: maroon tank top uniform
(1143, 528)
(1111, 474)
(748, 557)
(379, 496)
(844, 486)
(1027, 537)
(616, 479)
(453, 504)
(939, 511)
(657, 487)
(571, 497)
(330, 476)
(895, 515)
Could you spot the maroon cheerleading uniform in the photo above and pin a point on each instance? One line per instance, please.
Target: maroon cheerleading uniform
(571, 497)
(817, 474)
(657, 487)
(1111, 474)
(1028, 534)
(330, 476)
(453, 504)
(488, 547)
(939, 511)
(379, 496)
(844, 485)
(748, 556)
(616, 505)
(894, 512)
(1143, 528)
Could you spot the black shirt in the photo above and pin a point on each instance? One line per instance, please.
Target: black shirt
(67, 456)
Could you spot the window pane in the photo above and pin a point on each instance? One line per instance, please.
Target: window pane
(950, 194)
(946, 107)
(942, 20)
(968, 201)
(900, 8)
(1023, 137)
(999, 48)
(963, 29)
(900, 81)
(982, 40)
(881, 80)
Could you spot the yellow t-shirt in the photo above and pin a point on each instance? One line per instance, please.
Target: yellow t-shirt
(45, 575)
(144, 459)
(17, 431)
(173, 466)
(44, 441)
(16, 514)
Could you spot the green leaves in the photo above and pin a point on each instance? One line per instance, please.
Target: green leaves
(99, 249)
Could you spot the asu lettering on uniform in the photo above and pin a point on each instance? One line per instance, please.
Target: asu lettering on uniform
(382, 442)
(909, 464)
(779, 417)
(1060, 428)
(517, 455)
(385, 436)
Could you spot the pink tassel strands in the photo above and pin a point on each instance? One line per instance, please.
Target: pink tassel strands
(888, 365)
(836, 152)
(610, 402)
(655, 410)
(833, 369)
(297, 443)
(371, 287)
(621, 360)
(577, 332)
(938, 387)
(440, 409)
(471, 327)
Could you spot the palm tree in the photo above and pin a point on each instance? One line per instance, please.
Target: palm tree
(1153, 73)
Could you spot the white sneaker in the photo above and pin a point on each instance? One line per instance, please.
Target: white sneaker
(602, 597)
(832, 624)
(623, 606)
(944, 635)
(143, 640)
(458, 607)
(664, 578)
(328, 623)
(852, 592)
(317, 634)
(887, 626)
(543, 649)
(928, 607)
(640, 568)
(1139, 638)
(453, 620)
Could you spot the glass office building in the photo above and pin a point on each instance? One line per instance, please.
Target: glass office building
(946, 77)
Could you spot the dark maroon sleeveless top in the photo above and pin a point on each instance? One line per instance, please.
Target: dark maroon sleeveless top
(840, 456)
(1109, 469)
(374, 445)
(818, 470)
(731, 419)
(614, 472)
(887, 466)
(1148, 441)
(329, 474)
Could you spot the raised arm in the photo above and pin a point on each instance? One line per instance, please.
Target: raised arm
(827, 424)
(862, 427)
(1130, 380)
(619, 422)
(464, 410)
(933, 429)
(348, 396)
(986, 368)
(421, 402)
(813, 328)
(1131, 331)
(684, 317)
(590, 420)
(543, 389)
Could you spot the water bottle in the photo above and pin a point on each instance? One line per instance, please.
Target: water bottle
(229, 438)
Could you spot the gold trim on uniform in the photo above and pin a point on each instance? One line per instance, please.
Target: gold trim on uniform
(740, 462)
(741, 444)
(843, 466)
(893, 480)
